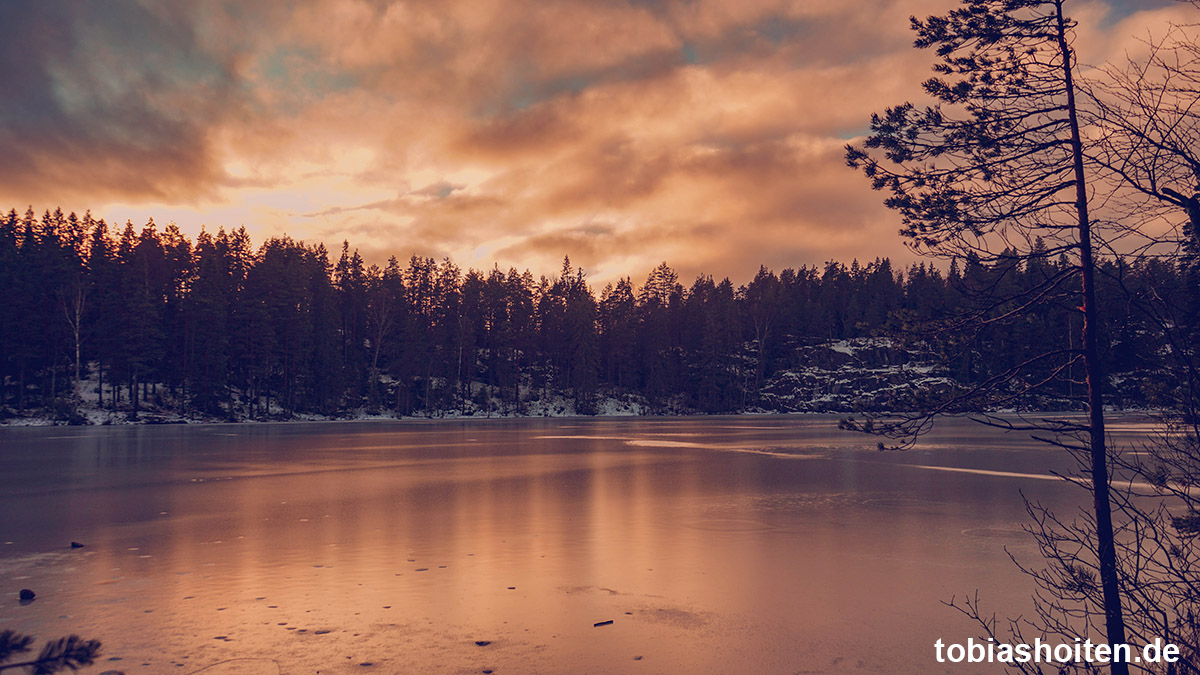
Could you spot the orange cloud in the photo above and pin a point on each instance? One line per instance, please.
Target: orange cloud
(707, 133)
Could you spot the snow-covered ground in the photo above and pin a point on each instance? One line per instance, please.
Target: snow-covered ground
(85, 409)
(834, 376)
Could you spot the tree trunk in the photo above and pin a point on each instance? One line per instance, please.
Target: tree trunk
(1105, 546)
(75, 384)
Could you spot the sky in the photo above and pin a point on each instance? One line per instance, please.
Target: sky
(708, 134)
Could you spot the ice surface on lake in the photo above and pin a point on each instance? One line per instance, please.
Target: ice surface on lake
(404, 545)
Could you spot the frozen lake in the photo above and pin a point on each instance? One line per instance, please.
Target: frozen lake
(727, 544)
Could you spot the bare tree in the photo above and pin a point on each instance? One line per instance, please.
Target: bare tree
(382, 288)
(1146, 125)
(1147, 113)
(74, 303)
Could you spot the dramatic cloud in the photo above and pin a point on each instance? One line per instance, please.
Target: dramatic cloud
(112, 98)
(701, 132)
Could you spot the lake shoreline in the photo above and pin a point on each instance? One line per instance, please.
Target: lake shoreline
(159, 418)
(859, 376)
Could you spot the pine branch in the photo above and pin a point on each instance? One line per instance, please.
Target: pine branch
(11, 643)
(68, 653)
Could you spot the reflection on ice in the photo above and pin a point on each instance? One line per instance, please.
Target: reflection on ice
(408, 546)
(987, 472)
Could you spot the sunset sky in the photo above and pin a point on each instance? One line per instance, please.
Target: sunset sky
(705, 133)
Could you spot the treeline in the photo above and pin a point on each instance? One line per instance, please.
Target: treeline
(220, 328)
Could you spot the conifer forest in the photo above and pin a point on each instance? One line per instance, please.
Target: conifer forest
(225, 328)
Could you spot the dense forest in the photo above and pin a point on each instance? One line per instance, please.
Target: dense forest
(218, 328)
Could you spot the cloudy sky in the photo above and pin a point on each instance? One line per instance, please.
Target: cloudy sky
(706, 133)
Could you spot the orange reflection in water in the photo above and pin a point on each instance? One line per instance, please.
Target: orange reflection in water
(761, 545)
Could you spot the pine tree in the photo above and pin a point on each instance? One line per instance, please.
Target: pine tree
(996, 163)
(208, 309)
